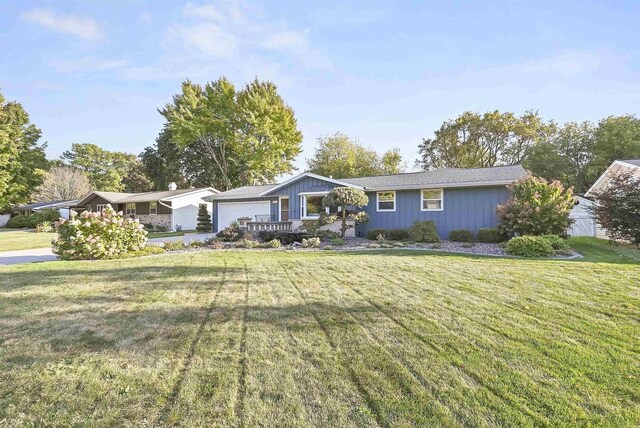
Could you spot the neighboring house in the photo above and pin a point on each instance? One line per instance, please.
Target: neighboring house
(452, 198)
(174, 209)
(616, 167)
(628, 165)
(583, 222)
(63, 207)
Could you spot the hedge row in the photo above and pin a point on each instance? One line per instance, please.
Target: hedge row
(486, 235)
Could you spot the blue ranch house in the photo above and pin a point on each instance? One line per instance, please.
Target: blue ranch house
(454, 198)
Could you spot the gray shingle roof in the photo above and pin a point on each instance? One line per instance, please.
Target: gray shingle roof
(635, 162)
(157, 196)
(242, 192)
(447, 177)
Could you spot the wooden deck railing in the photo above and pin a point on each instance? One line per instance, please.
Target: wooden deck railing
(271, 226)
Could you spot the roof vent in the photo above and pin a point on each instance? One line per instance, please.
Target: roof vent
(173, 186)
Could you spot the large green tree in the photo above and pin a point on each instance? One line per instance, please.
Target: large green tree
(339, 156)
(616, 137)
(566, 156)
(22, 160)
(481, 140)
(249, 136)
(106, 170)
(166, 162)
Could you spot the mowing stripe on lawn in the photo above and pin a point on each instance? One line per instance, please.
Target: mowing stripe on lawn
(186, 362)
(242, 387)
(371, 404)
(440, 409)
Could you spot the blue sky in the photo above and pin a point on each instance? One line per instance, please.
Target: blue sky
(385, 73)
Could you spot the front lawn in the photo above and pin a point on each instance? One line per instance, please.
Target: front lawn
(18, 239)
(152, 235)
(320, 339)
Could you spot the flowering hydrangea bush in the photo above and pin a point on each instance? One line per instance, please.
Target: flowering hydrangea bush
(98, 235)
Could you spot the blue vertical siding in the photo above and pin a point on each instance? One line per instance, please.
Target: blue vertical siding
(293, 190)
(464, 208)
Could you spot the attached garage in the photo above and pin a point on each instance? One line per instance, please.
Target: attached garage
(228, 212)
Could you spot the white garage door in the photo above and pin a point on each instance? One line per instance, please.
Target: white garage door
(231, 211)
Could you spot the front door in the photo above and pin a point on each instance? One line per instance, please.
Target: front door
(284, 209)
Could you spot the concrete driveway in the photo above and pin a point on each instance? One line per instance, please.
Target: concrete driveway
(27, 256)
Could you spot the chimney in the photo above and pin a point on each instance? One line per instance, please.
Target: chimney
(173, 186)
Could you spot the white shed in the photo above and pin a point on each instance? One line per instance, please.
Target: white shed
(584, 223)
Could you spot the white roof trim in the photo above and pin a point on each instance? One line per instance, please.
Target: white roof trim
(308, 174)
(208, 189)
(605, 174)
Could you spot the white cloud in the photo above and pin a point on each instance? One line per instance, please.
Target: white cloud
(230, 30)
(84, 27)
(207, 38)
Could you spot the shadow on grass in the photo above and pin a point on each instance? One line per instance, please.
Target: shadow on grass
(72, 334)
(155, 274)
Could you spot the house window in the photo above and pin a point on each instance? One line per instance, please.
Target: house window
(386, 201)
(101, 207)
(432, 200)
(311, 206)
(153, 208)
(131, 209)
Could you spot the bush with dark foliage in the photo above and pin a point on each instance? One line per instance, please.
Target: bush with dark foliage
(618, 208)
(490, 235)
(232, 233)
(424, 231)
(372, 234)
(461, 235)
(529, 246)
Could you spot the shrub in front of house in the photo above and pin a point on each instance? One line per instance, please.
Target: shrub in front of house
(230, 233)
(558, 243)
(93, 235)
(173, 245)
(397, 234)
(247, 243)
(372, 234)
(424, 231)
(274, 243)
(32, 221)
(285, 237)
(461, 235)
(44, 227)
(204, 219)
(19, 222)
(337, 241)
(490, 235)
(537, 207)
(311, 242)
(529, 246)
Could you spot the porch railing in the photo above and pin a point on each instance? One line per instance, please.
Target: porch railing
(271, 226)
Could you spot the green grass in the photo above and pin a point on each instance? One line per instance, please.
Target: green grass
(295, 339)
(151, 235)
(602, 250)
(13, 239)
